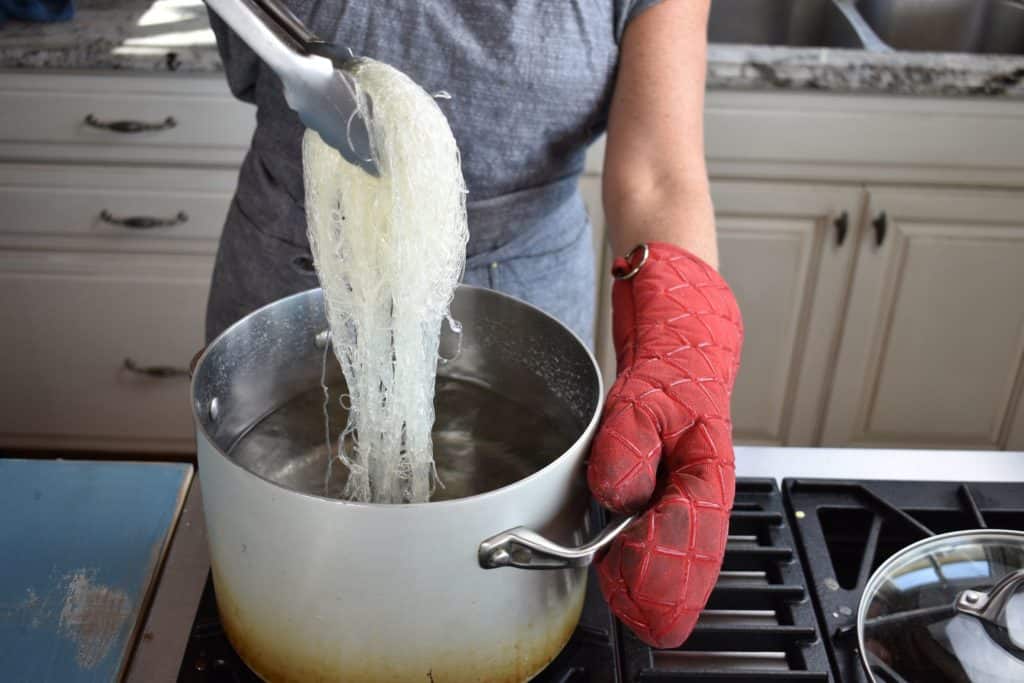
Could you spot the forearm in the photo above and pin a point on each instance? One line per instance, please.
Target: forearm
(679, 213)
(655, 185)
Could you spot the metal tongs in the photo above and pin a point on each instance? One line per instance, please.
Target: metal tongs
(316, 75)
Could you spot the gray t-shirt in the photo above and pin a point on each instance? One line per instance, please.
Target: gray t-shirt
(530, 84)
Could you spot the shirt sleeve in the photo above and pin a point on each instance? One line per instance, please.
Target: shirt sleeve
(628, 10)
(241, 65)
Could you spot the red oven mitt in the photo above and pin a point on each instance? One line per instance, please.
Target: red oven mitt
(665, 442)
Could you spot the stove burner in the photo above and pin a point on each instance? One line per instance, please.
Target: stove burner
(847, 529)
(759, 626)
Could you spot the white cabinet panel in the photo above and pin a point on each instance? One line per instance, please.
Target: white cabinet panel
(934, 339)
(773, 297)
(92, 204)
(60, 116)
(864, 138)
(69, 322)
(780, 252)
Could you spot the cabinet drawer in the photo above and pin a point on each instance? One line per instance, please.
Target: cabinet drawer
(70, 321)
(54, 116)
(115, 208)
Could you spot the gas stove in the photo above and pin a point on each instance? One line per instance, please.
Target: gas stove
(784, 608)
(847, 529)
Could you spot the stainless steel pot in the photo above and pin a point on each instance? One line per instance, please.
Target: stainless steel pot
(317, 589)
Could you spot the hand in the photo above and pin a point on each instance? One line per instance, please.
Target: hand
(665, 442)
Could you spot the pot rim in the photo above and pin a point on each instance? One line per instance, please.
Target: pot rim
(585, 434)
(877, 576)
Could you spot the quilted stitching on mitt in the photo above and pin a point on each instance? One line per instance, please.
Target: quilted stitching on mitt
(665, 443)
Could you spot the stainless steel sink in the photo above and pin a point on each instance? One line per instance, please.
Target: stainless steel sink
(771, 22)
(989, 26)
(796, 23)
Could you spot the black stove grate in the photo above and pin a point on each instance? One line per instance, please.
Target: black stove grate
(847, 529)
(209, 657)
(759, 625)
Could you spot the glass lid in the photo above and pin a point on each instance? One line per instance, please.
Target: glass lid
(948, 608)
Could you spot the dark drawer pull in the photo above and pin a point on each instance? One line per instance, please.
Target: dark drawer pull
(155, 371)
(880, 224)
(842, 224)
(130, 126)
(143, 222)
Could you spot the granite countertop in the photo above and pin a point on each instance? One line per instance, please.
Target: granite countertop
(174, 36)
(132, 35)
(843, 70)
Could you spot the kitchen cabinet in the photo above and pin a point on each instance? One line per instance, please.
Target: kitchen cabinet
(96, 349)
(114, 190)
(785, 251)
(874, 316)
(914, 342)
(931, 352)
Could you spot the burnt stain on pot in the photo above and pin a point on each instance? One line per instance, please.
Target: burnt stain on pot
(284, 663)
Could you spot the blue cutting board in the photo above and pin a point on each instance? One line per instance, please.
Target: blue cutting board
(80, 542)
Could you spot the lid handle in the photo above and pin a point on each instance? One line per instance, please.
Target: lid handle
(991, 605)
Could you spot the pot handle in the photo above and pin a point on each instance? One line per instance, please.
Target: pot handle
(990, 605)
(526, 549)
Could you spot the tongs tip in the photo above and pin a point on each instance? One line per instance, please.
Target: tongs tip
(333, 113)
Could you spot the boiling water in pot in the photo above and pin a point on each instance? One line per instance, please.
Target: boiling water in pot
(482, 440)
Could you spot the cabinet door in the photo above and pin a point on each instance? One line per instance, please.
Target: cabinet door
(70, 321)
(932, 345)
(786, 251)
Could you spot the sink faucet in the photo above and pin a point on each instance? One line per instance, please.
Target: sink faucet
(865, 33)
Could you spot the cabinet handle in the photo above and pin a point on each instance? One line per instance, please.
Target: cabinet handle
(881, 224)
(155, 371)
(130, 126)
(842, 223)
(143, 222)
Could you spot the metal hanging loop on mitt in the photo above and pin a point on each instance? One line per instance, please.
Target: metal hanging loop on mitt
(625, 269)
